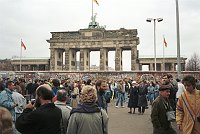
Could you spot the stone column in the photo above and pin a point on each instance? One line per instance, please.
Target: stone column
(15, 68)
(134, 65)
(52, 59)
(72, 59)
(140, 67)
(59, 59)
(37, 67)
(103, 59)
(29, 68)
(67, 60)
(151, 67)
(118, 59)
(45, 67)
(22, 67)
(172, 66)
(84, 59)
(163, 66)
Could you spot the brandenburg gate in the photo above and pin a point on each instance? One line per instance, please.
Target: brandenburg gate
(65, 45)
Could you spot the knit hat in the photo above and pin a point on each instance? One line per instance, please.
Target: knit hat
(88, 95)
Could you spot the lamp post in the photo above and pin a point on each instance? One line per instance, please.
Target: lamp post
(154, 31)
(178, 40)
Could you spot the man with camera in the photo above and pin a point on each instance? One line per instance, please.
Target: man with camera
(188, 108)
(42, 117)
(6, 99)
(160, 107)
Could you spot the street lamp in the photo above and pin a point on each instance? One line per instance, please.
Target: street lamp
(178, 40)
(154, 21)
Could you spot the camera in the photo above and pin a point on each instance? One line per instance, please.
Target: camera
(32, 101)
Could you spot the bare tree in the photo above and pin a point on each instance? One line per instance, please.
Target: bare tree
(193, 63)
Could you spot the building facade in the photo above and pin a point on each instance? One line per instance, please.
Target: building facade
(87, 40)
(30, 64)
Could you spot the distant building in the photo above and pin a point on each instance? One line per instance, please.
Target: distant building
(30, 64)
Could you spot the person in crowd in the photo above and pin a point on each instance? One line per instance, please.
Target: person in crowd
(45, 119)
(173, 82)
(75, 96)
(61, 99)
(188, 108)
(181, 88)
(156, 91)
(166, 80)
(29, 87)
(133, 97)
(197, 84)
(18, 88)
(22, 85)
(112, 87)
(115, 89)
(121, 92)
(142, 99)
(108, 94)
(1, 86)
(6, 99)
(88, 82)
(158, 113)
(88, 118)
(5, 121)
(21, 101)
(83, 83)
(126, 86)
(151, 92)
(34, 87)
(56, 86)
(101, 89)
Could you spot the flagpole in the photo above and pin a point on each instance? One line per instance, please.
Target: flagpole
(163, 53)
(20, 64)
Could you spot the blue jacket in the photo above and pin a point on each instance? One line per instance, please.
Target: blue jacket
(7, 101)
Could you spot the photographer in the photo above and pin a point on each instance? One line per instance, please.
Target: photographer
(188, 108)
(6, 99)
(45, 119)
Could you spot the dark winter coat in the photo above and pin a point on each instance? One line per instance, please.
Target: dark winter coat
(142, 96)
(133, 98)
(158, 117)
(44, 120)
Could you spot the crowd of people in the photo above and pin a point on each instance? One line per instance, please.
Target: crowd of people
(81, 107)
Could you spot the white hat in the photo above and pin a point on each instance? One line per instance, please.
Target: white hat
(133, 82)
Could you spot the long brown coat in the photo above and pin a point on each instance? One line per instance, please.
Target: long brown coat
(190, 125)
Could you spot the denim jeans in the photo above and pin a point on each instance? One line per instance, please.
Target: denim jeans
(120, 98)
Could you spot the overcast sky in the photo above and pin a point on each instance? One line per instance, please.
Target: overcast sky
(33, 20)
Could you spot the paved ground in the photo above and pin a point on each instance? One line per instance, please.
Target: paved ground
(121, 122)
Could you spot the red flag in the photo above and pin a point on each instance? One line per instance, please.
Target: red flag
(165, 42)
(22, 45)
(96, 2)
